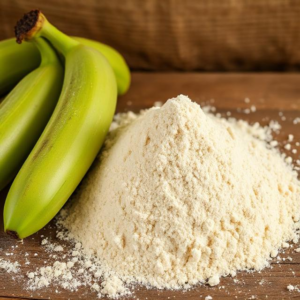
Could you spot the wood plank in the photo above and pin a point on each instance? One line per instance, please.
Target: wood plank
(179, 35)
(270, 93)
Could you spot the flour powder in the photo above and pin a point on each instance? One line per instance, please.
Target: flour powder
(179, 196)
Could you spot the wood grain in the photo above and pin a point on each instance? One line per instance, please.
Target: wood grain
(179, 35)
(270, 93)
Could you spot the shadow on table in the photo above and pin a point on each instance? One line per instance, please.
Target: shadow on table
(3, 195)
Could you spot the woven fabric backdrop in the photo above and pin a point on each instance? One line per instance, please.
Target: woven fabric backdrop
(227, 35)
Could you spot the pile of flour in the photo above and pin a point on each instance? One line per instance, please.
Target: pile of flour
(179, 196)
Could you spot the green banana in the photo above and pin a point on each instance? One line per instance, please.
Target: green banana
(72, 137)
(26, 110)
(16, 61)
(115, 59)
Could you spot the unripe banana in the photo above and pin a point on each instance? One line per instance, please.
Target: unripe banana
(71, 139)
(117, 62)
(15, 62)
(26, 110)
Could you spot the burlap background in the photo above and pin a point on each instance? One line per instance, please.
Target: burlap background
(211, 35)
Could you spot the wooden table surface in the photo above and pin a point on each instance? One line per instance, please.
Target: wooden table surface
(270, 93)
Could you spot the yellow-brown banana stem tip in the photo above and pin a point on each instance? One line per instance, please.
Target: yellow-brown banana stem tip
(27, 26)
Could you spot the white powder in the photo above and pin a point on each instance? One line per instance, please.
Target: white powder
(296, 121)
(290, 137)
(285, 245)
(288, 147)
(44, 241)
(9, 267)
(180, 197)
(274, 253)
(214, 280)
(274, 143)
(58, 248)
(292, 288)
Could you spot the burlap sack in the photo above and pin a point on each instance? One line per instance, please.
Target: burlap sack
(215, 35)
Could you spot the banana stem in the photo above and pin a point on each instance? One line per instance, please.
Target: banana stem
(48, 54)
(58, 39)
(34, 24)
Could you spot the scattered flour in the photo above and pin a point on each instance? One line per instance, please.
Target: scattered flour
(296, 121)
(290, 137)
(214, 280)
(293, 288)
(179, 196)
(288, 147)
(9, 267)
(58, 248)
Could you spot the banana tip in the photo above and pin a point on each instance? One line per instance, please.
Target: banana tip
(27, 26)
(12, 233)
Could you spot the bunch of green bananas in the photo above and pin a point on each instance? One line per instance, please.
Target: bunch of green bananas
(54, 121)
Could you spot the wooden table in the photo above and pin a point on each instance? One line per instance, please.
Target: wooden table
(270, 93)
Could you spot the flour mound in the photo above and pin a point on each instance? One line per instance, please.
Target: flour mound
(179, 196)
